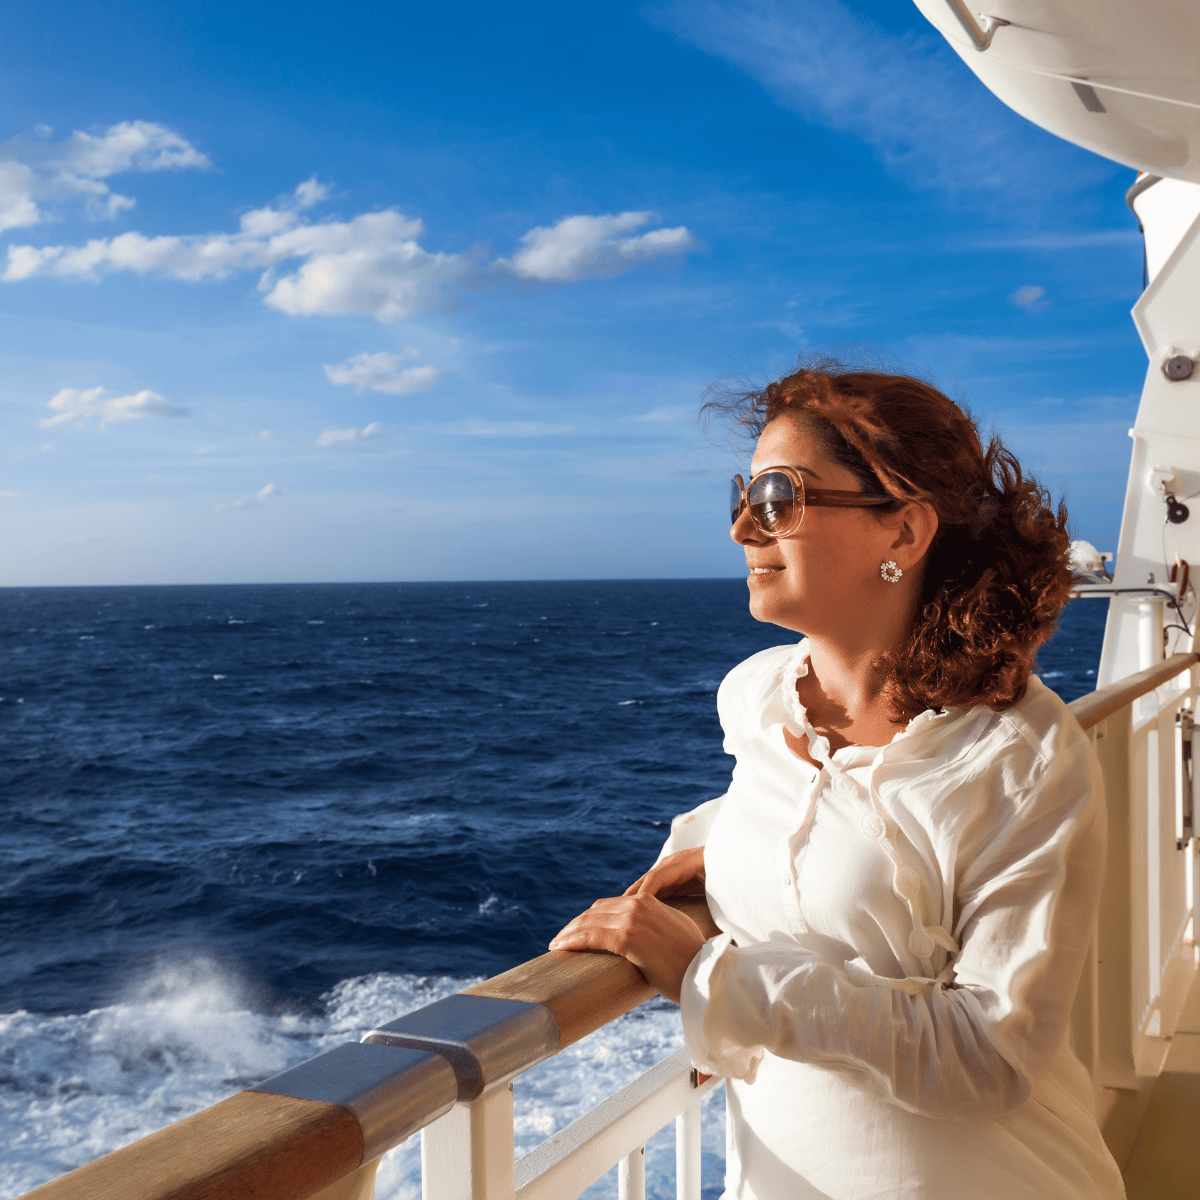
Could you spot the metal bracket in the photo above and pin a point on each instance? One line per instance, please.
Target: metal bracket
(486, 1040)
(1185, 777)
(980, 35)
(392, 1093)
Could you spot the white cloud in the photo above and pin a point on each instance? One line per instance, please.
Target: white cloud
(1029, 297)
(382, 372)
(17, 206)
(257, 499)
(591, 247)
(907, 96)
(339, 437)
(371, 264)
(128, 146)
(34, 173)
(73, 406)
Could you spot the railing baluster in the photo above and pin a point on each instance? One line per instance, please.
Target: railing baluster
(631, 1176)
(468, 1153)
(687, 1153)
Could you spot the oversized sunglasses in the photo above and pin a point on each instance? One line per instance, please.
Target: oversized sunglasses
(777, 499)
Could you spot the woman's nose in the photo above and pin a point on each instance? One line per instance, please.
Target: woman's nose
(744, 532)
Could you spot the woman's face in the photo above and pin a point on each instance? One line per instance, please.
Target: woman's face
(824, 577)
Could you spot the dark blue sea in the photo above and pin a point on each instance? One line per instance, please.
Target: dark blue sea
(245, 823)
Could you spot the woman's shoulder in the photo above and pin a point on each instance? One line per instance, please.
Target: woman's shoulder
(1043, 722)
(1039, 749)
(754, 686)
(764, 671)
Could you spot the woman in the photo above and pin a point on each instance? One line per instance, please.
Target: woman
(907, 864)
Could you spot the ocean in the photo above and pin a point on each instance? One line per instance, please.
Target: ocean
(243, 824)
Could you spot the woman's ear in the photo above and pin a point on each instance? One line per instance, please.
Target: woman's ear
(917, 527)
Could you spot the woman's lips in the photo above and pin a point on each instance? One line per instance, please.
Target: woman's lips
(759, 572)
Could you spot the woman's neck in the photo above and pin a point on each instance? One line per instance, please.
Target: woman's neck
(846, 696)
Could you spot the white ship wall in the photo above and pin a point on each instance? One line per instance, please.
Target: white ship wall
(1166, 440)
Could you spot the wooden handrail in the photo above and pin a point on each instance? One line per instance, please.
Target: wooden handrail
(249, 1147)
(259, 1146)
(1091, 709)
(584, 991)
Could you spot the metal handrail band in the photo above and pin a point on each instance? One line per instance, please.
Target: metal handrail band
(485, 1039)
(1093, 708)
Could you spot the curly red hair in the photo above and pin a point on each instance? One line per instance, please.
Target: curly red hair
(997, 574)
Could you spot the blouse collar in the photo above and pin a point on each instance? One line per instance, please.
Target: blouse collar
(797, 715)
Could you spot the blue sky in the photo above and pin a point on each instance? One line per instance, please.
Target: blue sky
(383, 292)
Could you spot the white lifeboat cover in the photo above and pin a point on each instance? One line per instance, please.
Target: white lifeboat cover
(1118, 78)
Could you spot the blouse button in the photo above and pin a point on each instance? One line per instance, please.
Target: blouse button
(873, 826)
(787, 879)
(920, 943)
(842, 786)
(906, 883)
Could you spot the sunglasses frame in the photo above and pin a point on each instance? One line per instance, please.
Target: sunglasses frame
(817, 497)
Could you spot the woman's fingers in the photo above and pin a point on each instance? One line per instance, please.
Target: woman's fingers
(597, 929)
(680, 874)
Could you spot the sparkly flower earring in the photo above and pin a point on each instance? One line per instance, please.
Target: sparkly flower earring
(890, 572)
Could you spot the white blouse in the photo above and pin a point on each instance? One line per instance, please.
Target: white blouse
(903, 933)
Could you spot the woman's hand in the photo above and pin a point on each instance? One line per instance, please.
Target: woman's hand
(657, 939)
(679, 874)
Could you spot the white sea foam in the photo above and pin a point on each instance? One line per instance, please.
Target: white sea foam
(78, 1086)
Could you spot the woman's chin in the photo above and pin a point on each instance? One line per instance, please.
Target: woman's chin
(771, 610)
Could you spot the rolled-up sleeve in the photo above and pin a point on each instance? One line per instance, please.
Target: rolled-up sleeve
(1029, 863)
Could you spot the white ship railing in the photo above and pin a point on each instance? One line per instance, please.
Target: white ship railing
(317, 1132)
(1142, 960)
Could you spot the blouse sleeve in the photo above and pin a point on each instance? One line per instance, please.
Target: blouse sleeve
(747, 687)
(1027, 892)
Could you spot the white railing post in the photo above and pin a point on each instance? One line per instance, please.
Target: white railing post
(1150, 633)
(687, 1153)
(631, 1176)
(468, 1153)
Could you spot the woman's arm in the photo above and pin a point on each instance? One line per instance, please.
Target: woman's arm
(1026, 898)
(1028, 888)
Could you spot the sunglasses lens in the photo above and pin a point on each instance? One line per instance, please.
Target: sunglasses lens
(772, 500)
(735, 498)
